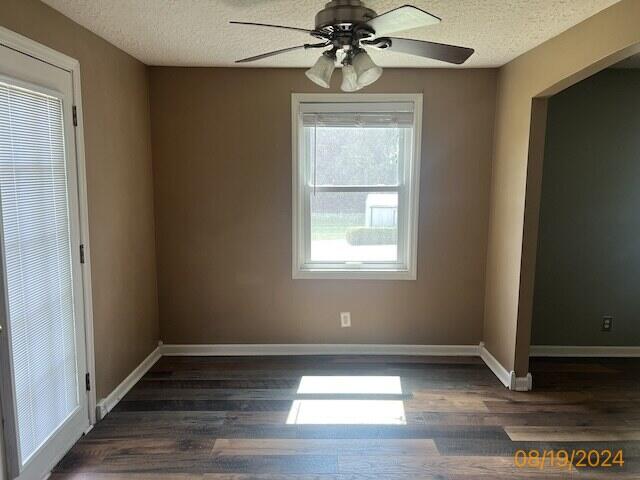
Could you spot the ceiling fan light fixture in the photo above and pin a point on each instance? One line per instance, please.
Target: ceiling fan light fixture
(321, 72)
(349, 79)
(366, 70)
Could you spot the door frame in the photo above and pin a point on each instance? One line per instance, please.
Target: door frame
(26, 46)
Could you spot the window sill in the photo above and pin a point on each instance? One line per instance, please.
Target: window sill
(354, 274)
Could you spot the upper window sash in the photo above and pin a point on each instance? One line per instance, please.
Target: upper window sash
(323, 173)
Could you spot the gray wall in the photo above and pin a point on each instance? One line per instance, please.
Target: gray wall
(588, 263)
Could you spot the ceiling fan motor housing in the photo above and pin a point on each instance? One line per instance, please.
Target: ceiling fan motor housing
(343, 15)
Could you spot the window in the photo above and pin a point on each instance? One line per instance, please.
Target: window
(355, 185)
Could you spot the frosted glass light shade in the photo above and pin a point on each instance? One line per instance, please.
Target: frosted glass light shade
(349, 79)
(321, 72)
(367, 71)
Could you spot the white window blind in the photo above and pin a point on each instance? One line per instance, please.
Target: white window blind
(354, 115)
(37, 248)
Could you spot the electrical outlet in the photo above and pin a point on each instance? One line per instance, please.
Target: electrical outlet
(607, 324)
(345, 319)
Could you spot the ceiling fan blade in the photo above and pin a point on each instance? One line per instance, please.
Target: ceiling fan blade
(273, 26)
(271, 54)
(401, 18)
(437, 51)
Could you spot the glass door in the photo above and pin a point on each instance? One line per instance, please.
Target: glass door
(41, 297)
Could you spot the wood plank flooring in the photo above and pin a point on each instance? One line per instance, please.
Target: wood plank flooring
(224, 418)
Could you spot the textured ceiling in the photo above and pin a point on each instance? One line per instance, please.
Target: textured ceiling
(197, 33)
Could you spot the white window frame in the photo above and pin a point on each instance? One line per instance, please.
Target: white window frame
(408, 190)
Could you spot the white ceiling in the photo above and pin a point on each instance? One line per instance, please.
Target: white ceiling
(197, 33)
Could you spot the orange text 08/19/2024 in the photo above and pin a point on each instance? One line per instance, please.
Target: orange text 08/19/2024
(568, 459)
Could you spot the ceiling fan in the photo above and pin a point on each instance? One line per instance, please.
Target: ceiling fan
(347, 26)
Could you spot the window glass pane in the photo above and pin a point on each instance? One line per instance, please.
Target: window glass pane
(354, 227)
(354, 155)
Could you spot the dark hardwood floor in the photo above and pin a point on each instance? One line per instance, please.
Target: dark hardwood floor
(227, 419)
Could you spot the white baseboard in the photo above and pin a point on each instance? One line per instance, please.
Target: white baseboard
(105, 405)
(496, 367)
(508, 378)
(317, 349)
(587, 351)
(521, 384)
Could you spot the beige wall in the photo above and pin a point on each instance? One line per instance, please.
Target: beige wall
(222, 164)
(120, 188)
(575, 54)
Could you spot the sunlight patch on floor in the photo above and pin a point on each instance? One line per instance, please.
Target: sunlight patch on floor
(350, 385)
(347, 412)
